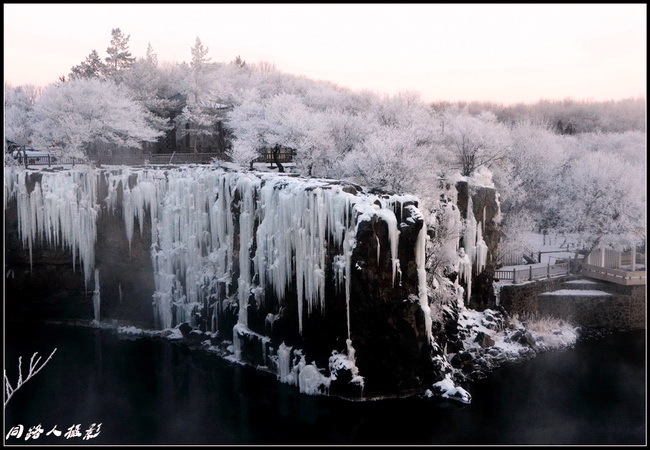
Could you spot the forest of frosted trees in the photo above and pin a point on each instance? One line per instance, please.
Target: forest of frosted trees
(569, 166)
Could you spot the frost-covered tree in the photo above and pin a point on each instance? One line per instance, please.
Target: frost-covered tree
(247, 122)
(19, 104)
(151, 57)
(239, 62)
(119, 56)
(71, 116)
(474, 141)
(537, 157)
(199, 56)
(91, 67)
(602, 199)
(203, 105)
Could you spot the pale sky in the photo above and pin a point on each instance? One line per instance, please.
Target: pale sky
(487, 52)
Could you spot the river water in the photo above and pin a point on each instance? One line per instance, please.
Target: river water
(149, 391)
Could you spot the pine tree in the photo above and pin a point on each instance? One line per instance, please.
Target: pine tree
(151, 57)
(199, 53)
(91, 67)
(119, 57)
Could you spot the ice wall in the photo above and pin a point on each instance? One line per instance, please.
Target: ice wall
(221, 239)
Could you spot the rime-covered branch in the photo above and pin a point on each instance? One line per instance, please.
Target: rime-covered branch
(34, 368)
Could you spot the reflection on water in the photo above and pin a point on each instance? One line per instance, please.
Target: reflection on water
(146, 391)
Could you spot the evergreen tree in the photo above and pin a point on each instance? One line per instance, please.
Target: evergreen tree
(119, 57)
(91, 67)
(239, 62)
(151, 58)
(199, 53)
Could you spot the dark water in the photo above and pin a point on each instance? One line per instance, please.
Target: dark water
(148, 391)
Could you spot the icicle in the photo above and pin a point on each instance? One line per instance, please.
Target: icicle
(388, 216)
(420, 260)
(348, 247)
(481, 252)
(465, 270)
(60, 209)
(96, 297)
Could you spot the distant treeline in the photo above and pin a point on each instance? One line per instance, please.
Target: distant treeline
(567, 116)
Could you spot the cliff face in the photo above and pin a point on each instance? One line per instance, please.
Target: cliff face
(315, 280)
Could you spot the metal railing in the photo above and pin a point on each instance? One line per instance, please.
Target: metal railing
(123, 160)
(47, 160)
(144, 159)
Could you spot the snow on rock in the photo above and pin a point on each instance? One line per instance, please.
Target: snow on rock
(447, 389)
(490, 339)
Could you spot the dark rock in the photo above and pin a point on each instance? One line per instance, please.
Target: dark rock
(468, 367)
(456, 362)
(455, 346)
(526, 338)
(484, 340)
(185, 329)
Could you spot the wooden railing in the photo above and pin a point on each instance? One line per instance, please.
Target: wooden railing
(624, 277)
(531, 273)
(283, 157)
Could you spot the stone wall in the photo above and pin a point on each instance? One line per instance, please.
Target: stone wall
(521, 299)
(620, 308)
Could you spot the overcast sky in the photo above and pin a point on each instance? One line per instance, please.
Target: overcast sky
(497, 52)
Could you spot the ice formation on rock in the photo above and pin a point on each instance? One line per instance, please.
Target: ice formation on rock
(60, 210)
(212, 228)
(475, 250)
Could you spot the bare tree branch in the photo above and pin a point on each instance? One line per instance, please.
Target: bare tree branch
(34, 368)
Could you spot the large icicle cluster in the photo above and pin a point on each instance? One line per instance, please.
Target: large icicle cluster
(61, 211)
(209, 225)
(219, 237)
(475, 251)
(285, 227)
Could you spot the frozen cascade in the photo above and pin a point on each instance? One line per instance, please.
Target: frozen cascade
(209, 225)
(292, 223)
(475, 251)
